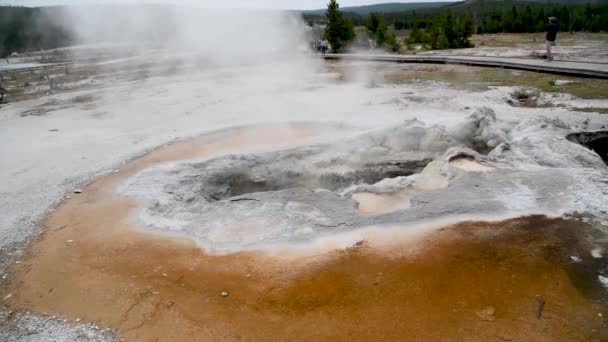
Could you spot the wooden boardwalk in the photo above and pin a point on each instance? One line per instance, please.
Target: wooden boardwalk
(570, 68)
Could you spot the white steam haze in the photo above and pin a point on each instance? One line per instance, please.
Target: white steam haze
(219, 33)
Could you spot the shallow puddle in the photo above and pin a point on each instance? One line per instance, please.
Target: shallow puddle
(471, 281)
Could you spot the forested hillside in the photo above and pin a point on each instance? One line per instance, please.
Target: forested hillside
(26, 29)
(493, 16)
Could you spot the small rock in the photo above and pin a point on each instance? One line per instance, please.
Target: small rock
(599, 314)
(77, 191)
(486, 314)
(224, 294)
(596, 253)
(53, 130)
(562, 82)
(78, 319)
(603, 280)
(7, 297)
(575, 258)
(69, 241)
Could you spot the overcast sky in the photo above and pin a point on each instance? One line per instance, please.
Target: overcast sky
(267, 4)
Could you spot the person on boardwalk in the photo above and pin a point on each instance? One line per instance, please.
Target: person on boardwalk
(551, 35)
(324, 46)
(2, 92)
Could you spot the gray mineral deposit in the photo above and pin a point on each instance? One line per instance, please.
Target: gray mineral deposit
(299, 195)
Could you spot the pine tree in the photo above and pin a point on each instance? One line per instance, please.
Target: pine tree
(437, 38)
(414, 36)
(448, 26)
(467, 28)
(339, 31)
(541, 20)
(392, 43)
(564, 18)
(527, 20)
(376, 26)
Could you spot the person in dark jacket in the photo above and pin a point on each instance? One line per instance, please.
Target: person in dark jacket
(550, 37)
(2, 92)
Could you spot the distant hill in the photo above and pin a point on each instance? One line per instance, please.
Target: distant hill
(397, 7)
(476, 6)
(508, 3)
(383, 8)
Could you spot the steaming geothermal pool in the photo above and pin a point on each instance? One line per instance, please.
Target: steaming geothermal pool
(372, 211)
(303, 196)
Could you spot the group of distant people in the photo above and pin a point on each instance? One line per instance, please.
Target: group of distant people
(320, 45)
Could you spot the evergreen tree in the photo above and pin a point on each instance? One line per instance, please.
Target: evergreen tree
(577, 24)
(449, 28)
(339, 31)
(563, 19)
(540, 21)
(527, 20)
(392, 43)
(467, 28)
(437, 38)
(416, 37)
(376, 26)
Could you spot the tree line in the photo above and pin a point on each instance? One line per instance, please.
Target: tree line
(440, 32)
(534, 19)
(452, 26)
(444, 32)
(27, 29)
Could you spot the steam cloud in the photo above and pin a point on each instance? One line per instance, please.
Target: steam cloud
(223, 34)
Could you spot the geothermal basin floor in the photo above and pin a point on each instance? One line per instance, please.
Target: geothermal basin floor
(476, 281)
